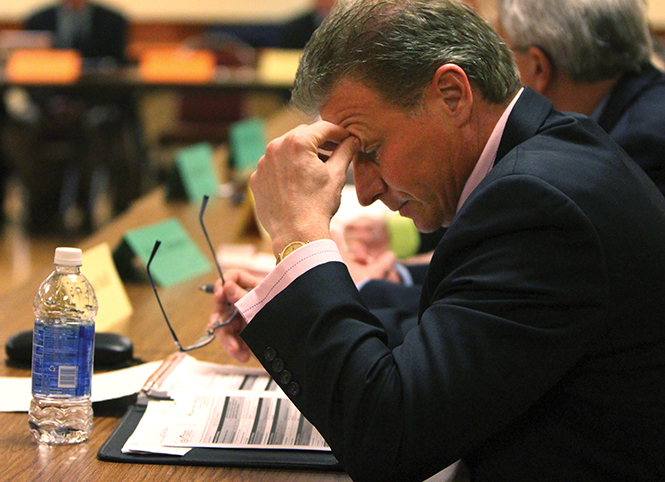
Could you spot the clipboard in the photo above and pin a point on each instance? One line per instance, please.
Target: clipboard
(284, 458)
(111, 451)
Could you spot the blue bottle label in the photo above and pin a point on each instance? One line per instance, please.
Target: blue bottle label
(62, 359)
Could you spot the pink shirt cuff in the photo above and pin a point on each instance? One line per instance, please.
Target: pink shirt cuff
(293, 266)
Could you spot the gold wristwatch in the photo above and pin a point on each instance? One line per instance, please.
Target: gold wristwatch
(288, 249)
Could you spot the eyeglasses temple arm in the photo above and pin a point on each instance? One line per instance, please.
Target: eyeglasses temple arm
(159, 301)
(205, 233)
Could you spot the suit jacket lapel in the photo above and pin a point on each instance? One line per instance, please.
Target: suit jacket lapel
(529, 114)
(629, 87)
(527, 117)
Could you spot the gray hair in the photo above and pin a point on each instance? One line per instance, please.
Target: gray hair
(395, 46)
(590, 40)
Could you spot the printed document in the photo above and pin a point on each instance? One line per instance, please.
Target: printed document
(218, 406)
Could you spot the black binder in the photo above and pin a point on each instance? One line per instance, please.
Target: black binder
(111, 451)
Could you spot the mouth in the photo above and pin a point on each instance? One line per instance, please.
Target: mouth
(402, 208)
(394, 208)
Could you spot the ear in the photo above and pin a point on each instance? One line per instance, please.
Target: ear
(452, 89)
(536, 69)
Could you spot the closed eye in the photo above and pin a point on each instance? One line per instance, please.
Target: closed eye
(369, 156)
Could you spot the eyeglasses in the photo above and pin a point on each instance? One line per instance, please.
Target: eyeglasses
(210, 332)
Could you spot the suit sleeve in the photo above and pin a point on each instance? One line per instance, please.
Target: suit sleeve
(502, 323)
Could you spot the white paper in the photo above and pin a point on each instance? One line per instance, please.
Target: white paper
(149, 433)
(17, 391)
(190, 374)
(220, 406)
(121, 383)
(250, 420)
(16, 394)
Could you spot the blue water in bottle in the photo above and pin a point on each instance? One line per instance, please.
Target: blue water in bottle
(65, 307)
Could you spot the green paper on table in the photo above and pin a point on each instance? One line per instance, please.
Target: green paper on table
(197, 172)
(248, 143)
(178, 258)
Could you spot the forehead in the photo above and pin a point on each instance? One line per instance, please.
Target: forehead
(357, 107)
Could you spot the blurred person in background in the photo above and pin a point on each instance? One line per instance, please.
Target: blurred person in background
(96, 31)
(297, 32)
(70, 139)
(594, 57)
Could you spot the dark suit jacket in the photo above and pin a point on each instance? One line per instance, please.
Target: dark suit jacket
(540, 350)
(634, 116)
(109, 31)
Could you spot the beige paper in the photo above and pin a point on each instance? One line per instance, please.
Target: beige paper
(114, 305)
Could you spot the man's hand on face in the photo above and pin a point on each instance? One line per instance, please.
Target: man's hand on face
(297, 190)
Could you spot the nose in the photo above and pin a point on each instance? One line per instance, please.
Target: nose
(369, 184)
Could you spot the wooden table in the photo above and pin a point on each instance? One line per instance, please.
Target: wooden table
(21, 459)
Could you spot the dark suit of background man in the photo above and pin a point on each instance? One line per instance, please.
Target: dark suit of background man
(539, 352)
(594, 58)
(296, 33)
(94, 30)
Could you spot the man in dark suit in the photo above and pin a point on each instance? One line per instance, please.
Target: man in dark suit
(296, 33)
(89, 128)
(94, 30)
(594, 58)
(539, 352)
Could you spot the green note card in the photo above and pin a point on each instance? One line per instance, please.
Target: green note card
(247, 141)
(178, 258)
(194, 166)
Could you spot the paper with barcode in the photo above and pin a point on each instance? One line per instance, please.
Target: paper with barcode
(229, 410)
(240, 421)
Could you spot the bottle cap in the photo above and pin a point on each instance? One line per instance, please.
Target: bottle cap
(68, 257)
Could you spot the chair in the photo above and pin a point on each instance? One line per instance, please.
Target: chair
(66, 150)
(205, 116)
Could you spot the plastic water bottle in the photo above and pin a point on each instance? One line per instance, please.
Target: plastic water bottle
(62, 353)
